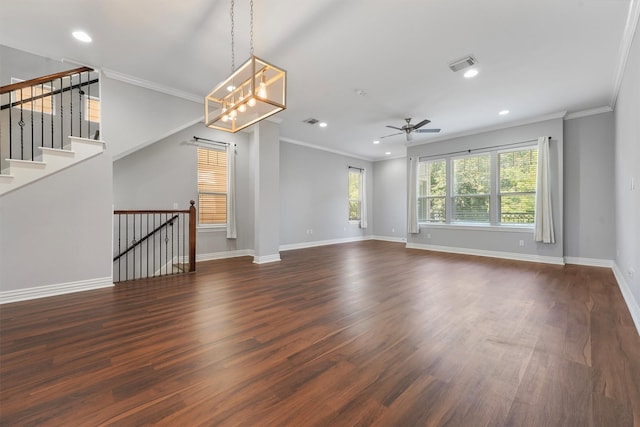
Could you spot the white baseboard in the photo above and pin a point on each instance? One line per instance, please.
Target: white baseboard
(266, 259)
(390, 239)
(52, 290)
(632, 304)
(223, 255)
(486, 253)
(304, 245)
(590, 262)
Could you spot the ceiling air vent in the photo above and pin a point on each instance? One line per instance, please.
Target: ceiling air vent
(311, 121)
(463, 63)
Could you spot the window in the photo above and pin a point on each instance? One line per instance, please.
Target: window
(212, 187)
(41, 104)
(92, 109)
(432, 191)
(494, 187)
(355, 197)
(471, 188)
(517, 189)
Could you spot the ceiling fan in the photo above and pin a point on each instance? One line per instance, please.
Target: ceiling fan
(408, 129)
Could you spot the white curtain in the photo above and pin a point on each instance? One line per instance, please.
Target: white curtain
(544, 215)
(412, 214)
(231, 192)
(363, 199)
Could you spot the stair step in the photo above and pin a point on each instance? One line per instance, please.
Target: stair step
(6, 179)
(57, 152)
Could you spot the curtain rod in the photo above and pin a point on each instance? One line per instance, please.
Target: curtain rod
(353, 167)
(197, 138)
(479, 149)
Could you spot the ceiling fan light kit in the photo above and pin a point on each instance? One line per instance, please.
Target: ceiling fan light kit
(408, 129)
(250, 94)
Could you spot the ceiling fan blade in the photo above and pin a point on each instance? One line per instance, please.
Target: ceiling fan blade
(393, 134)
(422, 123)
(427, 130)
(393, 127)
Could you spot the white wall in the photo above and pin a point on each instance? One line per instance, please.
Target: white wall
(134, 117)
(57, 230)
(22, 65)
(390, 199)
(504, 241)
(165, 173)
(627, 167)
(589, 196)
(314, 196)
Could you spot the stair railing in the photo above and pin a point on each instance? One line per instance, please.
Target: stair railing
(151, 243)
(45, 111)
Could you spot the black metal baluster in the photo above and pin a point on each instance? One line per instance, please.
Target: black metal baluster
(32, 102)
(154, 245)
(21, 124)
(172, 256)
(183, 239)
(166, 246)
(147, 245)
(89, 105)
(10, 126)
(141, 246)
(71, 107)
(126, 239)
(133, 242)
(42, 116)
(51, 116)
(119, 244)
(80, 93)
(61, 116)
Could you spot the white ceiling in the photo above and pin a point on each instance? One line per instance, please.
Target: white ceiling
(536, 57)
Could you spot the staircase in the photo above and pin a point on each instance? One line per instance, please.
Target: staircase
(50, 161)
(44, 126)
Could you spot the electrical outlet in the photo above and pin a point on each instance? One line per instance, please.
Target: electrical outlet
(521, 242)
(633, 184)
(428, 235)
(393, 230)
(631, 272)
(175, 205)
(311, 231)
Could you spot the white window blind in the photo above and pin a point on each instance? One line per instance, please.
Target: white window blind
(212, 187)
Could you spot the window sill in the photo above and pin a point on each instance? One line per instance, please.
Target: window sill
(479, 227)
(211, 228)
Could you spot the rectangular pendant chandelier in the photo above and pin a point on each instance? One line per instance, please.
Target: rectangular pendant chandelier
(252, 93)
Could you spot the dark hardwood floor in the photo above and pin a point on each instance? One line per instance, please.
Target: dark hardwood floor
(366, 333)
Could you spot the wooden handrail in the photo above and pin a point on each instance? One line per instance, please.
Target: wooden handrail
(43, 79)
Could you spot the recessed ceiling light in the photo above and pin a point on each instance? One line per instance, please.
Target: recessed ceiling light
(82, 36)
(504, 112)
(376, 142)
(322, 124)
(471, 73)
(387, 153)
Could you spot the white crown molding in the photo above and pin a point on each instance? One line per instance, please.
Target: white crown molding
(490, 254)
(591, 112)
(538, 119)
(153, 86)
(625, 289)
(56, 289)
(330, 150)
(630, 29)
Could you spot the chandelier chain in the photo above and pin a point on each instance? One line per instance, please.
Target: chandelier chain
(251, 29)
(233, 50)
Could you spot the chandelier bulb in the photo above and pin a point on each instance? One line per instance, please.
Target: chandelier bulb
(262, 88)
(243, 107)
(233, 114)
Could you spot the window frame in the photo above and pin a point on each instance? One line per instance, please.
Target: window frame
(357, 172)
(494, 222)
(41, 110)
(211, 226)
(428, 197)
